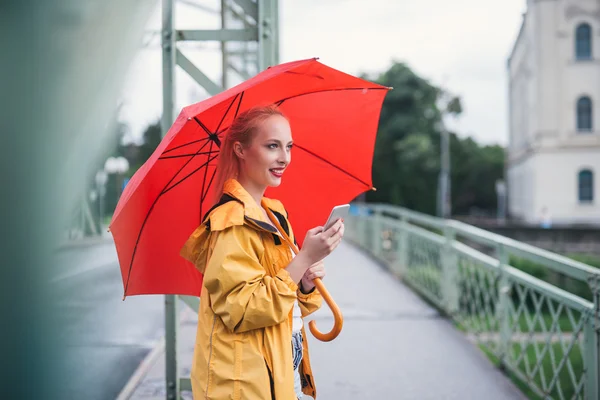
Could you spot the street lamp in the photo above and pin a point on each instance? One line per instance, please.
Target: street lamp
(444, 190)
(101, 179)
(501, 207)
(118, 166)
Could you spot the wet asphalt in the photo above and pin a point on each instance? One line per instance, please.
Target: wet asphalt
(106, 337)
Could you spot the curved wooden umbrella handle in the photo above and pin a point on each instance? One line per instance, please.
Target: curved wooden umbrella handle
(337, 315)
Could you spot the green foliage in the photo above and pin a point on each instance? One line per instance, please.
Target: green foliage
(152, 138)
(537, 270)
(407, 121)
(406, 163)
(475, 171)
(588, 259)
(576, 287)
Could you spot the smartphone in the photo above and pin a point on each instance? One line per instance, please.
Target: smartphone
(337, 212)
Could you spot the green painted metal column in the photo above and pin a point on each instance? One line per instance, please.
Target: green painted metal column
(376, 233)
(503, 305)
(403, 250)
(268, 33)
(450, 290)
(171, 312)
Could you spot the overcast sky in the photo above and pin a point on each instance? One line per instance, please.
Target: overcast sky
(462, 45)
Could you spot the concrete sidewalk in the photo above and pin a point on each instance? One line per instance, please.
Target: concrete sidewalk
(393, 345)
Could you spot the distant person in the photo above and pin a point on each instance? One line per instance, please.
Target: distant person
(250, 342)
(545, 218)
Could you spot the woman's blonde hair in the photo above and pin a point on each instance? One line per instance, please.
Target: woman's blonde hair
(243, 129)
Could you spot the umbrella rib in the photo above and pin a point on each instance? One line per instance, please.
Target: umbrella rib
(206, 193)
(209, 185)
(204, 182)
(188, 155)
(238, 106)
(182, 167)
(332, 164)
(331, 90)
(185, 144)
(212, 136)
(208, 132)
(227, 112)
(188, 175)
(152, 208)
(305, 74)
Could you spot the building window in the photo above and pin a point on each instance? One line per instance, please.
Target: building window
(584, 114)
(583, 42)
(586, 186)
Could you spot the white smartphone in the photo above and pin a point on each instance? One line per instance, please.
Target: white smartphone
(337, 212)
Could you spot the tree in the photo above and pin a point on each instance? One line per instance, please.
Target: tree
(406, 162)
(409, 113)
(151, 139)
(475, 171)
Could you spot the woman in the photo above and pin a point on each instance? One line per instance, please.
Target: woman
(251, 342)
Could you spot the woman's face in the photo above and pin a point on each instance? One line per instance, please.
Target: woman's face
(265, 160)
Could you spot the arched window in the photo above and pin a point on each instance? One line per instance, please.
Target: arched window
(584, 114)
(586, 186)
(583, 42)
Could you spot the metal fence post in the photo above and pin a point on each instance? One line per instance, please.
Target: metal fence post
(376, 234)
(350, 223)
(592, 344)
(403, 250)
(366, 229)
(502, 307)
(449, 284)
(359, 229)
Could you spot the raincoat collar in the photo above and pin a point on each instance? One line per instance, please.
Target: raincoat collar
(253, 211)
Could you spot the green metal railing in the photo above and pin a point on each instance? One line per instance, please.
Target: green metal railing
(546, 337)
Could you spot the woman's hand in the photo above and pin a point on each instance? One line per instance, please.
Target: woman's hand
(318, 244)
(316, 270)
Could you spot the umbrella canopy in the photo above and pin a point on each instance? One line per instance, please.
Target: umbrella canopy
(333, 118)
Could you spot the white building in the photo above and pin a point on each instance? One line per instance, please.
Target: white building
(553, 158)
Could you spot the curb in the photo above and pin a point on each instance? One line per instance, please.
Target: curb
(148, 362)
(141, 371)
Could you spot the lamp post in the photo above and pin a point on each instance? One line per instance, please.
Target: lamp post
(118, 166)
(447, 104)
(444, 177)
(101, 178)
(501, 207)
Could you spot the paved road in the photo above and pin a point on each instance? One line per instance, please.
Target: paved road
(107, 337)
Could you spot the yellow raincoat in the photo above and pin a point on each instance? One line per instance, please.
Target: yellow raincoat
(243, 342)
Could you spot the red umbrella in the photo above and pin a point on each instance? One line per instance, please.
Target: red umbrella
(334, 119)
